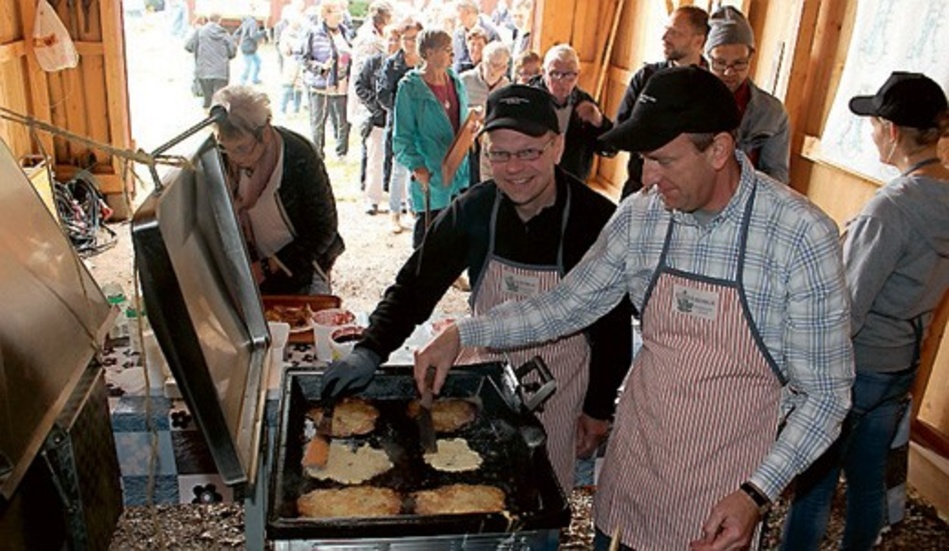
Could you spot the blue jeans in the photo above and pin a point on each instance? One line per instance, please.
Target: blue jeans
(251, 68)
(290, 92)
(397, 186)
(879, 401)
(601, 542)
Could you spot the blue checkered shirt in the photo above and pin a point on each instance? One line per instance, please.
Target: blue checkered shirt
(793, 280)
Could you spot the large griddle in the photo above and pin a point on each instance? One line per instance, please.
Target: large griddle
(507, 436)
(207, 316)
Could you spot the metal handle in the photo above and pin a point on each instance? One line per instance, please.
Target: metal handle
(534, 394)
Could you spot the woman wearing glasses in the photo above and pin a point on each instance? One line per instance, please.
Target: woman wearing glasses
(282, 195)
(764, 133)
(430, 105)
(581, 120)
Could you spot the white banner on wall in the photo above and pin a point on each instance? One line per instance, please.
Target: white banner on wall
(888, 35)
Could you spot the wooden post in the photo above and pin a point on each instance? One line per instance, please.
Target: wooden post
(604, 67)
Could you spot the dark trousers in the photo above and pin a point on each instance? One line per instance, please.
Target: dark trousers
(209, 86)
(420, 229)
(323, 107)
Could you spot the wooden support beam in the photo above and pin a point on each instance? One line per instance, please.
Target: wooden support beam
(116, 84)
(38, 82)
(608, 50)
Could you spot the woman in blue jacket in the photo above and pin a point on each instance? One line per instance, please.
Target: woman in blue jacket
(430, 105)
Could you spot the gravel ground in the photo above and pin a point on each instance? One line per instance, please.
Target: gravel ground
(371, 260)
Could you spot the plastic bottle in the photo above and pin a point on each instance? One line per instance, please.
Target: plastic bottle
(116, 298)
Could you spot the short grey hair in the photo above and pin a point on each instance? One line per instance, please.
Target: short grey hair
(496, 52)
(248, 111)
(561, 52)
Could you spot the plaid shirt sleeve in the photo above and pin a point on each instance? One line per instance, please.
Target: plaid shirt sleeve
(592, 288)
(796, 295)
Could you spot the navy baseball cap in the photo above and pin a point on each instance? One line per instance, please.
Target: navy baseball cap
(907, 99)
(526, 109)
(675, 101)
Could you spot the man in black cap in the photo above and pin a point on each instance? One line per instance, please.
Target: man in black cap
(741, 289)
(517, 235)
(682, 42)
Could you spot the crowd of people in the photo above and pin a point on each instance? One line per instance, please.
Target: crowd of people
(775, 354)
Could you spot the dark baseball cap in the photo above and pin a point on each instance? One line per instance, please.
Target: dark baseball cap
(907, 99)
(526, 109)
(675, 101)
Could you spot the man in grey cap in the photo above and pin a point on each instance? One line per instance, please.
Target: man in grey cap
(516, 236)
(741, 289)
(764, 134)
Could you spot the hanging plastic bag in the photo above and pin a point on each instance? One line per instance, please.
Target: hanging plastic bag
(52, 44)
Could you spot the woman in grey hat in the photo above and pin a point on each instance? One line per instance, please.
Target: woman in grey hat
(896, 256)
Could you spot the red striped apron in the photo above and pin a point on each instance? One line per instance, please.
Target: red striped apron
(699, 413)
(568, 357)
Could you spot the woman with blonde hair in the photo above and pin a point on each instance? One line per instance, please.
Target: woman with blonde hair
(896, 257)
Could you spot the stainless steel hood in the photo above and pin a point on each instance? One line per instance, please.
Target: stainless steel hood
(52, 314)
(205, 309)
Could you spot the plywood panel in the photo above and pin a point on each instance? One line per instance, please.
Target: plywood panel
(11, 90)
(11, 26)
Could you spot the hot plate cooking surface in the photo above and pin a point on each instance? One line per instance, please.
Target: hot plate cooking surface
(508, 439)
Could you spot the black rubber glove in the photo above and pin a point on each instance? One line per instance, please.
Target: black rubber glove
(350, 374)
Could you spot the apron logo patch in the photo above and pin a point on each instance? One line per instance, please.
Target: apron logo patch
(519, 285)
(695, 303)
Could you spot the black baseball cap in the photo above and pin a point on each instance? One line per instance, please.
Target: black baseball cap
(907, 99)
(675, 101)
(526, 109)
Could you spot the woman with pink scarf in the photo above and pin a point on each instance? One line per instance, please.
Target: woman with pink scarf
(282, 195)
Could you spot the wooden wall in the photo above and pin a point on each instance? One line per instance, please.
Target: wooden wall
(801, 51)
(90, 100)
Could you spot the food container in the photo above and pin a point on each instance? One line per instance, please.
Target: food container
(325, 323)
(343, 339)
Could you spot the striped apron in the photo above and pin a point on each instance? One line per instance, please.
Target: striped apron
(699, 413)
(567, 358)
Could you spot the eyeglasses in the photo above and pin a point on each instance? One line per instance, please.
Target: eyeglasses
(407, 38)
(563, 75)
(529, 154)
(739, 65)
(240, 150)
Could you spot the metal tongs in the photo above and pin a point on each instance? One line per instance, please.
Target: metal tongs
(426, 428)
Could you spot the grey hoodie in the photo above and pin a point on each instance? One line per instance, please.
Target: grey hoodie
(896, 255)
(215, 48)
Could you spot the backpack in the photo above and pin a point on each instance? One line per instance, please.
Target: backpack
(248, 37)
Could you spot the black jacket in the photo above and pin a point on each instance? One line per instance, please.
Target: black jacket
(307, 199)
(365, 86)
(581, 141)
(459, 240)
(387, 83)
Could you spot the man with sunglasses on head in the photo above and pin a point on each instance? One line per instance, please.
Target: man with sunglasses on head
(580, 118)
(764, 134)
(516, 235)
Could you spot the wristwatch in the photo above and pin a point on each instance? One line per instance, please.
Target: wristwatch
(757, 496)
